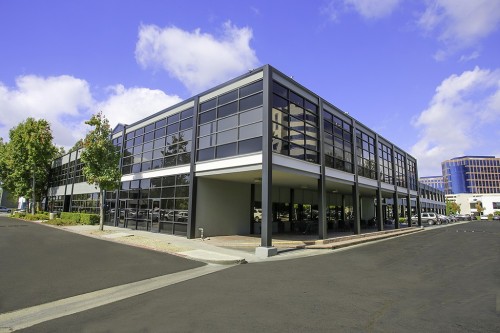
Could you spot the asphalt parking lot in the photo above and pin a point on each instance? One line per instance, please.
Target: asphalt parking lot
(40, 264)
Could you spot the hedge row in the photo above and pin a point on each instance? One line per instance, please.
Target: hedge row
(81, 218)
(32, 217)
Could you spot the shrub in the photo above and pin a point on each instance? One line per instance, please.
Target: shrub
(61, 222)
(490, 217)
(71, 216)
(89, 219)
(33, 217)
(403, 220)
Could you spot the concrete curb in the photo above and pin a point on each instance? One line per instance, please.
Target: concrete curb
(211, 257)
(338, 243)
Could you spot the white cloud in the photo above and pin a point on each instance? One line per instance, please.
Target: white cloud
(127, 106)
(373, 9)
(66, 102)
(460, 23)
(61, 100)
(199, 60)
(469, 57)
(459, 119)
(369, 9)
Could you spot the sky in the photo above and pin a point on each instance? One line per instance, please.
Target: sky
(423, 74)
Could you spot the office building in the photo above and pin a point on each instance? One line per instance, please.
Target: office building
(436, 182)
(260, 154)
(471, 174)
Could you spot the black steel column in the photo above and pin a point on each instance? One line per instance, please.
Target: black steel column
(266, 239)
(322, 224)
(395, 210)
(355, 187)
(193, 180)
(418, 207)
(395, 205)
(252, 208)
(380, 219)
(408, 195)
(408, 209)
(355, 208)
(120, 165)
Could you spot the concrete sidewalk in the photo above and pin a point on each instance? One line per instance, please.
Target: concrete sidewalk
(230, 250)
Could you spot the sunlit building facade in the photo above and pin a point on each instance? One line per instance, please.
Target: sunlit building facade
(260, 154)
(471, 174)
(433, 181)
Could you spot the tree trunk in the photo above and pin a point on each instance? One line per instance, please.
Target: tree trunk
(101, 215)
(34, 196)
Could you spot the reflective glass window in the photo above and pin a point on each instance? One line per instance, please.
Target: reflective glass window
(251, 102)
(205, 154)
(311, 107)
(187, 123)
(226, 150)
(251, 116)
(296, 99)
(207, 116)
(280, 90)
(227, 136)
(206, 141)
(280, 103)
(250, 89)
(159, 143)
(226, 123)
(187, 113)
(208, 105)
(227, 110)
(172, 128)
(250, 145)
(173, 118)
(250, 131)
(228, 97)
(208, 128)
(161, 123)
(160, 132)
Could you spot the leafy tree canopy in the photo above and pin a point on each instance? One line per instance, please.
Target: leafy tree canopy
(100, 157)
(29, 153)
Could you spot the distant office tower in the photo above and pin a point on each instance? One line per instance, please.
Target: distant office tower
(471, 174)
(436, 182)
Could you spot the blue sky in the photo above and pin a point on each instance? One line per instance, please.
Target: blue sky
(423, 74)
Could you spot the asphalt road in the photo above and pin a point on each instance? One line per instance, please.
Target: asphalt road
(443, 280)
(39, 264)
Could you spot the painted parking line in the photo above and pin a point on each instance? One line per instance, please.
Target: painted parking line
(23, 318)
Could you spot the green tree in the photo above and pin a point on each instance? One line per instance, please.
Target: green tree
(452, 208)
(479, 208)
(100, 159)
(26, 159)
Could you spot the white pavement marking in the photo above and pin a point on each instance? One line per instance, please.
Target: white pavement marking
(23, 318)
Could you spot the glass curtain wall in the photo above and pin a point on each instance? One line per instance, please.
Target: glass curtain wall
(164, 143)
(338, 152)
(231, 124)
(385, 163)
(400, 169)
(295, 125)
(365, 146)
(157, 204)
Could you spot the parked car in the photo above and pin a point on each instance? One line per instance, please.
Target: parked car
(496, 217)
(429, 218)
(5, 209)
(443, 219)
